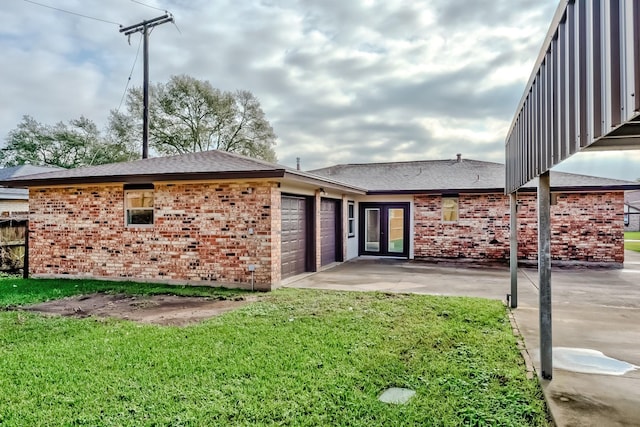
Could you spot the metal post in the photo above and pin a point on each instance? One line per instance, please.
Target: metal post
(25, 262)
(513, 248)
(145, 95)
(544, 275)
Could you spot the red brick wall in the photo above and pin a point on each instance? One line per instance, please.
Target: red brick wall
(585, 227)
(482, 231)
(200, 233)
(275, 242)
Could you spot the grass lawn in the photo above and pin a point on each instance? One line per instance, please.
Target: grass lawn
(15, 291)
(632, 235)
(295, 357)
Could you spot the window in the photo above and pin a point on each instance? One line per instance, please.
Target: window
(449, 209)
(138, 205)
(372, 229)
(351, 218)
(626, 219)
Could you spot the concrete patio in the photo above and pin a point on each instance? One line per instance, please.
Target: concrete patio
(596, 309)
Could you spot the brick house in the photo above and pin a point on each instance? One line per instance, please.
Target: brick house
(457, 209)
(221, 219)
(632, 211)
(14, 202)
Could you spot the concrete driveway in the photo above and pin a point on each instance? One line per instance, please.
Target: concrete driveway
(592, 308)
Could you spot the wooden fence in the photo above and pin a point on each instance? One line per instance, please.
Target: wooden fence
(12, 244)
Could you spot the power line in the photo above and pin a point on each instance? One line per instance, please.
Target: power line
(148, 5)
(126, 87)
(157, 8)
(72, 13)
(177, 28)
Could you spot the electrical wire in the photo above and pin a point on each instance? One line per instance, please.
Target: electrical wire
(157, 8)
(124, 94)
(176, 25)
(126, 87)
(148, 5)
(73, 13)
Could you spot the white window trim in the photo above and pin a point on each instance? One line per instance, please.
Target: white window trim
(127, 209)
(457, 199)
(351, 219)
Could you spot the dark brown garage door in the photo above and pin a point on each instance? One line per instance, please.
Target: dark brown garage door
(328, 225)
(294, 236)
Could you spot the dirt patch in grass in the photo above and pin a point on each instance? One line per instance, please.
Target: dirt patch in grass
(168, 310)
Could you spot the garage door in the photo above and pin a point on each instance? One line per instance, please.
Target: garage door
(328, 222)
(294, 236)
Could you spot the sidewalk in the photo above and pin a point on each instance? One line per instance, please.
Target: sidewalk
(592, 309)
(598, 310)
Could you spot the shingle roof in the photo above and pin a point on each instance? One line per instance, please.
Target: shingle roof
(396, 177)
(17, 171)
(449, 176)
(191, 166)
(191, 163)
(23, 170)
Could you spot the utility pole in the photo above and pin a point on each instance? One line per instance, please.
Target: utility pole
(143, 27)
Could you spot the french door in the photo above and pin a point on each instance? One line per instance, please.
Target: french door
(384, 229)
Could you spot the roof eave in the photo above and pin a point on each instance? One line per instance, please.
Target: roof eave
(5, 196)
(591, 188)
(323, 182)
(143, 178)
(567, 189)
(435, 191)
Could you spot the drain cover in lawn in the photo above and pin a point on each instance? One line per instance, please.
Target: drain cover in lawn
(396, 395)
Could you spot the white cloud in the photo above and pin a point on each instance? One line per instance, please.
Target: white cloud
(341, 81)
(611, 164)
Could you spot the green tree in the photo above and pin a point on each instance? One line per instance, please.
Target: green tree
(189, 115)
(122, 138)
(78, 143)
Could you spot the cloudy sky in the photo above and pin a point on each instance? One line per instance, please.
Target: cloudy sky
(341, 81)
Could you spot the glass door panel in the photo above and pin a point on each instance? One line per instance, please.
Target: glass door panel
(384, 229)
(372, 229)
(395, 234)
